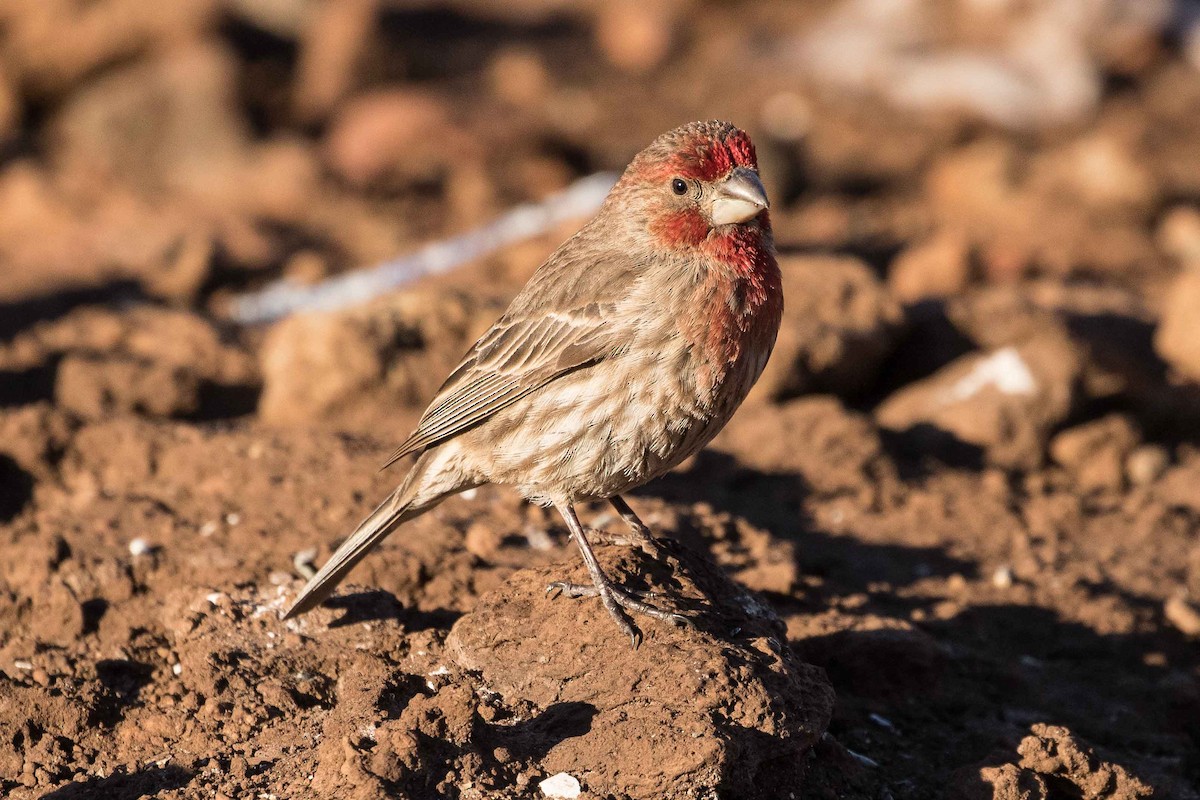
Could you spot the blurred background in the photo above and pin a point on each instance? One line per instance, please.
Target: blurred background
(975, 449)
(179, 157)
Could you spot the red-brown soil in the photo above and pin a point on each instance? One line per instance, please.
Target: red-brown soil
(951, 545)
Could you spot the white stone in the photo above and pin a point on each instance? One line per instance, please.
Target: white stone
(1003, 369)
(560, 787)
(1002, 578)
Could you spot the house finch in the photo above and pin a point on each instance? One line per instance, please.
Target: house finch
(627, 351)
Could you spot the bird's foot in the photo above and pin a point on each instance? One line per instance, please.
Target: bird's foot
(568, 589)
(636, 537)
(619, 600)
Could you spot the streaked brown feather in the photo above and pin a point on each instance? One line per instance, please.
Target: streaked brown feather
(516, 356)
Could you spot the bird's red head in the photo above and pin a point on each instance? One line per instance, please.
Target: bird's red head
(701, 151)
(698, 187)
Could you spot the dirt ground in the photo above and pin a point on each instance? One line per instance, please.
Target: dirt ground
(950, 546)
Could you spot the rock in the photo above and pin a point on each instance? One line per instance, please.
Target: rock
(1095, 452)
(967, 186)
(31, 435)
(396, 134)
(1177, 339)
(284, 18)
(1178, 234)
(1003, 403)
(1099, 171)
(560, 787)
(691, 710)
(52, 240)
(280, 182)
(830, 447)
(635, 35)
(145, 360)
(1111, 326)
(839, 326)
(1183, 614)
(937, 267)
(185, 270)
(51, 44)
(343, 364)
(1022, 212)
(1053, 751)
(162, 125)
(1053, 763)
(10, 108)
(518, 77)
(1177, 486)
(852, 143)
(786, 116)
(21, 703)
(1146, 464)
(100, 387)
(1010, 782)
(332, 44)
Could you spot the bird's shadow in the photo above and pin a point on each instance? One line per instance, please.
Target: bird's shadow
(377, 605)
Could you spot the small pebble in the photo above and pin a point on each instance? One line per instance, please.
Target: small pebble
(1002, 578)
(561, 787)
(786, 116)
(1183, 615)
(303, 562)
(882, 721)
(278, 577)
(538, 539)
(1155, 659)
(865, 760)
(1146, 464)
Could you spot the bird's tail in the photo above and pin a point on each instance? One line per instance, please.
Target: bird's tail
(400, 506)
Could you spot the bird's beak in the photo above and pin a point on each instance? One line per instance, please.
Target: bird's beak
(740, 198)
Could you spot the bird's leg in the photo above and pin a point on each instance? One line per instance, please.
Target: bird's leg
(639, 532)
(614, 597)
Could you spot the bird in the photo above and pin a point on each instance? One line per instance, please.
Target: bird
(624, 354)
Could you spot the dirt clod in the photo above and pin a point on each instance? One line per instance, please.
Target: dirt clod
(1003, 403)
(839, 326)
(722, 704)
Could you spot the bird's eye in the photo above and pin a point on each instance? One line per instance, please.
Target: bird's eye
(679, 186)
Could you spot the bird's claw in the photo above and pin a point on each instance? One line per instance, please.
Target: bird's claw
(640, 538)
(620, 602)
(573, 590)
(568, 589)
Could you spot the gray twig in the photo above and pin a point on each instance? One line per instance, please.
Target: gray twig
(523, 222)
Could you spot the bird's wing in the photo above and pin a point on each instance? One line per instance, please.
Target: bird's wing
(520, 353)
